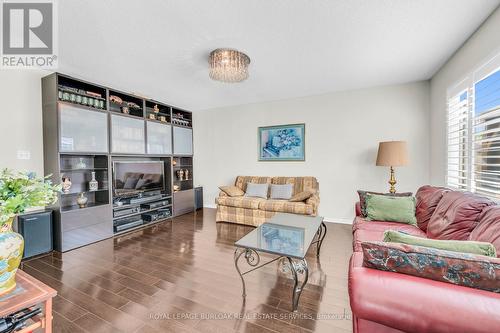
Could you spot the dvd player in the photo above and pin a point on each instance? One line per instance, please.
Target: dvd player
(156, 215)
(146, 199)
(127, 223)
(156, 204)
(126, 211)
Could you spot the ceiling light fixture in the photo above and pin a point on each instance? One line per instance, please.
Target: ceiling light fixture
(228, 65)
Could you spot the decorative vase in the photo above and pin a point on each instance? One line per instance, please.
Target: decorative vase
(11, 253)
(82, 200)
(81, 164)
(93, 184)
(66, 184)
(180, 174)
(186, 174)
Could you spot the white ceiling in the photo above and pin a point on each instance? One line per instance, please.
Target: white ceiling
(159, 48)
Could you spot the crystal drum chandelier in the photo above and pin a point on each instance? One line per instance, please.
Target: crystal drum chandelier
(228, 65)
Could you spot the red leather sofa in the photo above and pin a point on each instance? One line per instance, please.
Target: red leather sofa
(391, 302)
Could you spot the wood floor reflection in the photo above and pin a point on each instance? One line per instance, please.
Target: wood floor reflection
(179, 276)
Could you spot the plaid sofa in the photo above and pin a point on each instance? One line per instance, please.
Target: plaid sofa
(255, 211)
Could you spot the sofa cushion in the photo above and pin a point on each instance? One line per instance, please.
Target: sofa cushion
(281, 191)
(241, 181)
(428, 198)
(390, 208)
(456, 215)
(402, 302)
(301, 196)
(240, 202)
(364, 230)
(488, 227)
(474, 247)
(465, 269)
(232, 191)
(284, 206)
(257, 190)
(362, 197)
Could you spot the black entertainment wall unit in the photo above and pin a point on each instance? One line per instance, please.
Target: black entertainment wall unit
(125, 161)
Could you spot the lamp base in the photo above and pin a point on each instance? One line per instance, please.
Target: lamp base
(392, 182)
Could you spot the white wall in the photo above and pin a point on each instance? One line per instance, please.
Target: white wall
(21, 119)
(482, 45)
(342, 134)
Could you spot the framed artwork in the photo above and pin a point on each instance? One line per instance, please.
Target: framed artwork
(282, 143)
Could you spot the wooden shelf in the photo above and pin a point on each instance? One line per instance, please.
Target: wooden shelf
(86, 191)
(141, 212)
(76, 207)
(84, 169)
(82, 106)
(142, 226)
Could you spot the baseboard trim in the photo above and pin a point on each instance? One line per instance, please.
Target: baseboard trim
(337, 220)
(326, 219)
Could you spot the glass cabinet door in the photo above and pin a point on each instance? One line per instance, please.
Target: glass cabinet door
(183, 141)
(159, 138)
(127, 135)
(82, 130)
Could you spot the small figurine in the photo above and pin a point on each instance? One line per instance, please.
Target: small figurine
(66, 184)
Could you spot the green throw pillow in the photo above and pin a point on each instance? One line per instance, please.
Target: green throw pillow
(390, 209)
(481, 248)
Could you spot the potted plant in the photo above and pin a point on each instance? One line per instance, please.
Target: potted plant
(18, 192)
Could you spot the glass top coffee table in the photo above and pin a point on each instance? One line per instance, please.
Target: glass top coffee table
(289, 237)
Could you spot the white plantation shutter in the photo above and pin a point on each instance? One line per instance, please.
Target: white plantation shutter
(474, 132)
(486, 135)
(458, 143)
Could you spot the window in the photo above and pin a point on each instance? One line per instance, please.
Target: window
(474, 132)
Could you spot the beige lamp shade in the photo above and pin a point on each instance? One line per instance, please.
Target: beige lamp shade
(392, 153)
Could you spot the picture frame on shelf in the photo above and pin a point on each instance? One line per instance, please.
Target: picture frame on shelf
(282, 143)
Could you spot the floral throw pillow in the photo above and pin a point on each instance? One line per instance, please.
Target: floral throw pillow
(470, 270)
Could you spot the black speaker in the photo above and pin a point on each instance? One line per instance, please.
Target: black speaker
(198, 198)
(36, 228)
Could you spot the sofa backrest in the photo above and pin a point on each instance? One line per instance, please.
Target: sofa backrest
(456, 215)
(241, 181)
(427, 197)
(488, 227)
(300, 184)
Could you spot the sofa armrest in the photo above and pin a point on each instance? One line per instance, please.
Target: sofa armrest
(414, 304)
(314, 202)
(357, 208)
(221, 195)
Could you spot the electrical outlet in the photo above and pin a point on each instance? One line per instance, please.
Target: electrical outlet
(23, 155)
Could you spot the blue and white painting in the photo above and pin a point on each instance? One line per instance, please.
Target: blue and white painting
(282, 143)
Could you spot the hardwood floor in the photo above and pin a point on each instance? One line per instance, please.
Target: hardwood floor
(179, 276)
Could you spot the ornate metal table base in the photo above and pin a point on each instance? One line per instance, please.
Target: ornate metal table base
(321, 235)
(296, 266)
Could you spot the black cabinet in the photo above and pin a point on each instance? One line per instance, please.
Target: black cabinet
(36, 228)
(198, 197)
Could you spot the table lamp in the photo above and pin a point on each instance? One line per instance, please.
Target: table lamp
(392, 154)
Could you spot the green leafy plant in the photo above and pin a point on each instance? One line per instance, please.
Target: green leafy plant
(22, 190)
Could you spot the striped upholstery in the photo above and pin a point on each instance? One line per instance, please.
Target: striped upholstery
(300, 184)
(255, 211)
(246, 216)
(241, 181)
(243, 202)
(285, 206)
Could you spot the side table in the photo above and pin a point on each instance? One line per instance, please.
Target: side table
(29, 292)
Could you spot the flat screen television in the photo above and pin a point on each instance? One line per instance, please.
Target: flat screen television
(134, 177)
